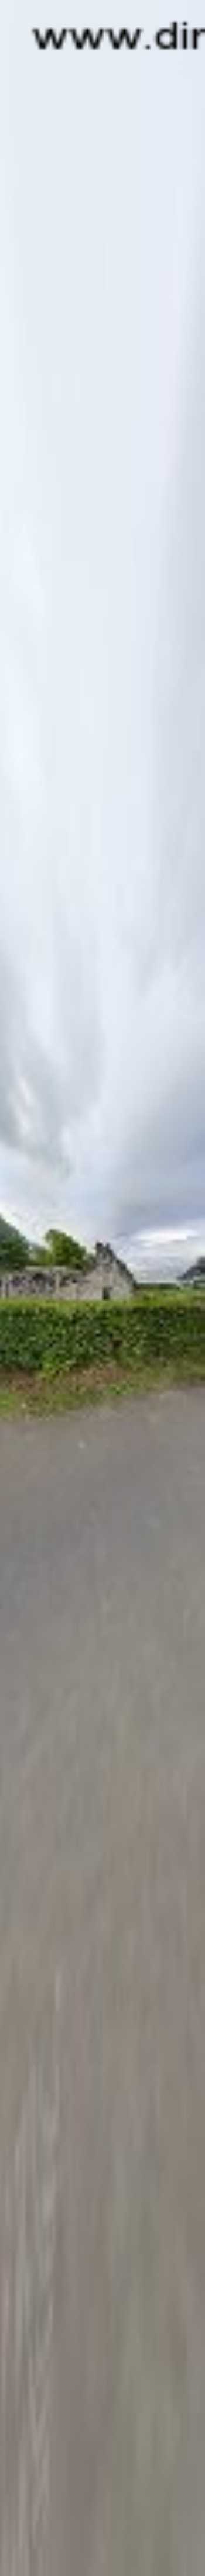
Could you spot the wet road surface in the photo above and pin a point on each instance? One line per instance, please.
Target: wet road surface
(102, 1992)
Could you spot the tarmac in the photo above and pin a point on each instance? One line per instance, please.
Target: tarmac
(102, 1991)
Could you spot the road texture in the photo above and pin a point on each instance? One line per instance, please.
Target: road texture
(102, 1992)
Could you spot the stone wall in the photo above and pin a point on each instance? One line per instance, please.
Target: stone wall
(107, 1277)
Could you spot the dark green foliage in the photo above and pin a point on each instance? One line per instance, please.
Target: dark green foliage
(63, 1250)
(13, 1247)
(59, 1248)
(153, 1329)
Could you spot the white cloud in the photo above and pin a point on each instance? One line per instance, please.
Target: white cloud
(102, 540)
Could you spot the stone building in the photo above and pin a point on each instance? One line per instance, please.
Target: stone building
(106, 1276)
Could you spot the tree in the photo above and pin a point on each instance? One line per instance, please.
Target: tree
(14, 1253)
(65, 1251)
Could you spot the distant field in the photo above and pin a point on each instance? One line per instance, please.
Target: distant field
(54, 1355)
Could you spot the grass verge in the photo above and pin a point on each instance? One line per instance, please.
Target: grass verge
(23, 1394)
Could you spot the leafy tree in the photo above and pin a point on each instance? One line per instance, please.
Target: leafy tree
(65, 1251)
(14, 1251)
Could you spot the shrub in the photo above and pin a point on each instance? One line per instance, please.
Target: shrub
(150, 1329)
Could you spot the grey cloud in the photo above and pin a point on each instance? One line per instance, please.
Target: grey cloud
(102, 659)
(43, 1093)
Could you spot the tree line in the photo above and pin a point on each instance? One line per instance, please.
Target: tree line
(60, 1249)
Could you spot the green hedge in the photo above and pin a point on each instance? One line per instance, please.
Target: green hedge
(152, 1327)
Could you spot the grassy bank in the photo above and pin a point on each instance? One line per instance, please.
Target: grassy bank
(55, 1355)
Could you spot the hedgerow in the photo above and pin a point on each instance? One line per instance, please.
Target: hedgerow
(152, 1327)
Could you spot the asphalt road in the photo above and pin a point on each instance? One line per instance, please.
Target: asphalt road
(102, 1992)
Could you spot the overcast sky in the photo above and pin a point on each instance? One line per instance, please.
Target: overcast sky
(102, 643)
